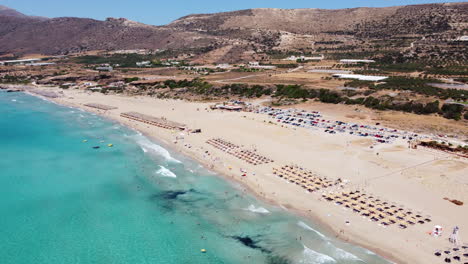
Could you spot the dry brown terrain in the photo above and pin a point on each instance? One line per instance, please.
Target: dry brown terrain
(244, 35)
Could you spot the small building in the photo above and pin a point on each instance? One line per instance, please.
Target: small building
(304, 58)
(462, 38)
(223, 66)
(40, 64)
(19, 62)
(105, 68)
(143, 63)
(256, 65)
(352, 61)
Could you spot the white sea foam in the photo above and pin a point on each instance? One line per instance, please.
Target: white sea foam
(13, 100)
(163, 171)
(259, 210)
(154, 148)
(311, 256)
(369, 252)
(305, 226)
(342, 254)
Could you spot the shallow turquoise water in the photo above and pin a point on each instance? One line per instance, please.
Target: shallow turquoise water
(61, 201)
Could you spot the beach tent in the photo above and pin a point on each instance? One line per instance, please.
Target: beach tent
(437, 231)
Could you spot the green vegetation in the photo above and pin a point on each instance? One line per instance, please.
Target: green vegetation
(129, 80)
(285, 65)
(444, 147)
(449, 70)
(452, 111)
(276, 54)
(10, 79)
(244, 69)
(396, 62)
(420, 86)
(292, 91)
(462, 79)
(359, 84)
(124, 60)
(289, 93)
(195, 83)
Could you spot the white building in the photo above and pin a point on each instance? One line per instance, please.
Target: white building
(351, 61)
(19, 62)
(360, 77)
(265, 67)
(40, 64)
(105, 68)
(256, 65)
(304, 58)
(143, 63)
(223, 66)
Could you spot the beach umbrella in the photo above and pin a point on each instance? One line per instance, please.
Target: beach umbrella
(365, 213)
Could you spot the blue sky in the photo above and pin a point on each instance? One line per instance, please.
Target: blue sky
(159, 12)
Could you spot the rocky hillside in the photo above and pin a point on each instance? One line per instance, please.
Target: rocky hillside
(20, 34)
(6, 11)
(419, 19)
(230, 35)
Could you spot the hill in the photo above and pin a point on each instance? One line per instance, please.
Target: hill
(247, 34)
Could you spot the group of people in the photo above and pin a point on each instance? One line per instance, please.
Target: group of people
(376, 209)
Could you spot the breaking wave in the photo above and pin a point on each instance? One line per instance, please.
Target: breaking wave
(166, 172)
(259, 210)
(305, 226)
(369, 252)
(342, 254)
(148, 146)
(311, 256)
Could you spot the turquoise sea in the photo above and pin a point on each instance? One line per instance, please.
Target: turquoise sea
(61, 201)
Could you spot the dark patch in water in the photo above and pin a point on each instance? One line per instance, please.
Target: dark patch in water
(277, 260)
(249, 242)
(172, 195)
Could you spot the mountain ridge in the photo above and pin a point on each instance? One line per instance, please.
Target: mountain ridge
(255, 31)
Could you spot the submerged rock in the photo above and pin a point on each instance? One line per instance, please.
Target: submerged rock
(249, 242)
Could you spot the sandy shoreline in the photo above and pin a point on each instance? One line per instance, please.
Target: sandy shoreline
(415, 188)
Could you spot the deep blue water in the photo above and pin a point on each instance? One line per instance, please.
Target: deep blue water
(61, 201)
